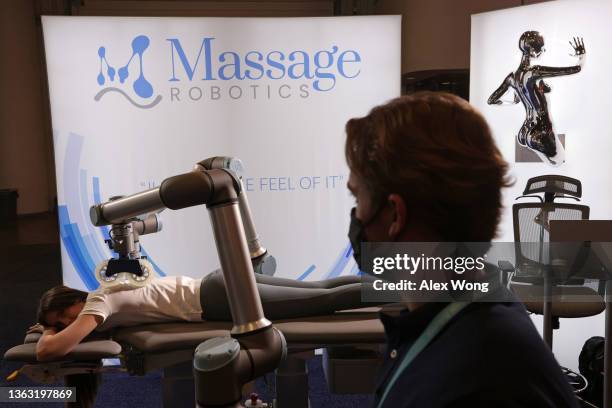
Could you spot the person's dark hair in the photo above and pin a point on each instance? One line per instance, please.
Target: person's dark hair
(57, 299)
(436, 151)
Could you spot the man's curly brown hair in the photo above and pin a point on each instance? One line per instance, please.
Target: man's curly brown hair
(437, 152)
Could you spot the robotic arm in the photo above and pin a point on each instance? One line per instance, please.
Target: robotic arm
(221, 365)
(130, 269)
(263, 262)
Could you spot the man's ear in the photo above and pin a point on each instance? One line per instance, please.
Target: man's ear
(400, 215)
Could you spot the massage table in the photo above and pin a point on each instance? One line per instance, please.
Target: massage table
(229, 354)
(351, 342)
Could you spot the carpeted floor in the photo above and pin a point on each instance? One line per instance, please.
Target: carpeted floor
(120, 390)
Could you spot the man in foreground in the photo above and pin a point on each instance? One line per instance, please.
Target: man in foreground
(425, 168)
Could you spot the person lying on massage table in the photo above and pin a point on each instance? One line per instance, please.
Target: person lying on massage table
(68, 315)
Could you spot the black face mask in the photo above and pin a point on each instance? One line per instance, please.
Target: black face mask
(355, 234)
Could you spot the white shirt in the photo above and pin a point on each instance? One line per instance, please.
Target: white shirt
(171, 298)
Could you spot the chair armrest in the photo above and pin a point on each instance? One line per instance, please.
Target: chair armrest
(505, 266)
(506, 269)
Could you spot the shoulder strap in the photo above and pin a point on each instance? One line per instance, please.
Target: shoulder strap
(431, 331)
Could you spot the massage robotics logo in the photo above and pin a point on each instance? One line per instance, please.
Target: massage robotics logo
(202, 72)
(142, 87)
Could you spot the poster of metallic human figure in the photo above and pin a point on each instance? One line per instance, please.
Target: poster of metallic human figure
(527, 81)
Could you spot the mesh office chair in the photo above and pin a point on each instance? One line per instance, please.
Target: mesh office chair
(531, 280)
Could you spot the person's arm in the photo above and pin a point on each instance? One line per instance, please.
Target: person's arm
(54, 344)
(579, 52)
(495, 98)
(548, 72)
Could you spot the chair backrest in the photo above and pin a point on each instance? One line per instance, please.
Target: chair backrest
(532, 231)
(560, 186)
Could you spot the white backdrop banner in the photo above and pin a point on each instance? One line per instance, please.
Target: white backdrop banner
(578, 109)
(578, 102)
(136, 100)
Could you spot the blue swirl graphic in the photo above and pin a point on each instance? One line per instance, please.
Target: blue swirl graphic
(84, 244)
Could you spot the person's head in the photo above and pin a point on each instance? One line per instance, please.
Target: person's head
(60, 306)
(424, 168)
(531, 44)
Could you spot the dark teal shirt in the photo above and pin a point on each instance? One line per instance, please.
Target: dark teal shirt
(489, 355)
